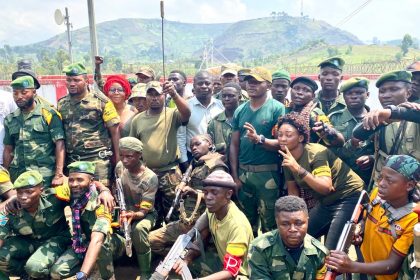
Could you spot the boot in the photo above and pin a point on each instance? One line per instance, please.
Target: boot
(144, 261)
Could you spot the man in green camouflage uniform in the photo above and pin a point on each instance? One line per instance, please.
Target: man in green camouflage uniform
(288, 252)
(414, 68)
(139, 185)
(32, 239)
(357, 154)
(329, 98)
(91, 223)
(90, 123)
(34, 136)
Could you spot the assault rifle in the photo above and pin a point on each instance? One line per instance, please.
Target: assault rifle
(177, 252)
(347, 234)
(184, 181)
(119, 193)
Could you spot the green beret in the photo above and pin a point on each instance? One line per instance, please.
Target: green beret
(131, 143)
(30, 178)
(23, 82)
(155, 85)
(75, 69)
(307, 81)
(281, 74)
(395, 76)
(406, 165)
(354, 82)
(260, 74)
(334, 62)
(82, 167)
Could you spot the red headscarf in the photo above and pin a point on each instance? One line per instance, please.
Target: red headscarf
(120, 80)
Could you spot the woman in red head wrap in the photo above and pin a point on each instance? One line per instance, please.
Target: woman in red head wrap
(118, 90)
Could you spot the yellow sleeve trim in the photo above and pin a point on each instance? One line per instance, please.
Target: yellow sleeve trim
(4, 176)
(109, 112)
(63, 192)
(147, 205)
(320, 274)
(236, 249)
(324, 119)
(47, 116)
(102, 213)
(324, 170)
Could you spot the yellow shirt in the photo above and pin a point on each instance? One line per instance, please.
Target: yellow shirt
(378, 240)
(232, 235)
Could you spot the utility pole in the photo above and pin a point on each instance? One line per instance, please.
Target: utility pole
(68, 24)
(92, 31)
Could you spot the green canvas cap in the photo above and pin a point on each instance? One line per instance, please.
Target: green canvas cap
(281, 74)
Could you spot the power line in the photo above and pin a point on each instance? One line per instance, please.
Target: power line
(352, 14)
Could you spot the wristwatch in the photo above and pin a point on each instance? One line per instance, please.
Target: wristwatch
(81, 275)
(262, 140)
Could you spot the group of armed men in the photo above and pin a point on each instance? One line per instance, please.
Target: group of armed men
(260, 171)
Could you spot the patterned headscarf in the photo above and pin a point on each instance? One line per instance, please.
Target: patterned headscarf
(407, 166)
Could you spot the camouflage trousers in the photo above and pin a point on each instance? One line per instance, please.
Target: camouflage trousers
(69, 263)
(103, 169)
(162, 239)
(19, 254)
(140, 233)
(257, 197)
(168, 180)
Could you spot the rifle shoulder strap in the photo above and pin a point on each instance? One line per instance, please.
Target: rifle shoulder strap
(397, 214)
(183, 215)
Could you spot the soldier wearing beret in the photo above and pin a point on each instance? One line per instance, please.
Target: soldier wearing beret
(414, 68)
(329, 98)
(33, 238)
(288, 252)
(145, 74)
(140, 185)
(394, 138)
(90, 123)
(229, 228)
(92, 239)
(34, 136)
(357, 154)
(280, 86)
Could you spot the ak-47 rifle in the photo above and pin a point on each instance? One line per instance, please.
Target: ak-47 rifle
(177, 252)
(123, 208)
(347, 234)
(184, 181)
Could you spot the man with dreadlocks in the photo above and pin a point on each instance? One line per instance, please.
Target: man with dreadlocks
(204, 162)
(139, 185)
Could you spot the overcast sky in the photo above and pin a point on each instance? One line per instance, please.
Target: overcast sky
(28, 21)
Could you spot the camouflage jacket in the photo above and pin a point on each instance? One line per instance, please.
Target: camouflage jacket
(269, 259)
(338, 104)
(86, 122)
(220, 130)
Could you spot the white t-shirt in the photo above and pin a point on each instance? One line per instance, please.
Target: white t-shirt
(7, 106)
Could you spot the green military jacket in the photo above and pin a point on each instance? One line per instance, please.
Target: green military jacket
(344, 122)
(337, 105)
(269, 259)
(33, 137)
(49, 221)
(220, 130)
(86, 122)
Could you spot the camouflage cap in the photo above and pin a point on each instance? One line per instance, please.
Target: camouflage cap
(354, 82)
(406, 165)
(75, 69)
(281, 74)
(139, 90)
(307, 81)
(394, 76)
(27, 72)
(82, 167)
(414, 67)
(5, 183)
(154, 85)
(147, 71)
(334, 62)
(219, 178)
(260, 74)
(131, 143)
(243, 71)
(23, 82)
(29, 179)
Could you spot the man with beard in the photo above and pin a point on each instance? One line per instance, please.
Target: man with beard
(414, 68)
(34, 136)
(280, 86)
(203, 108)
(329, 98)
(90, 123)
(301, 255)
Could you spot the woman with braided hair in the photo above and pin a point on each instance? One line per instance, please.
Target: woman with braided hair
(322, 174)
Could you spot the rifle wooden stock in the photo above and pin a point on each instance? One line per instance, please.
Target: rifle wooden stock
(184, 181)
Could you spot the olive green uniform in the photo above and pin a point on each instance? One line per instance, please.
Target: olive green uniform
(329, 107)
(33, 243)
(269, 259)
(86, 124)
(220, 130)
(161, 240)
(344, 122)
(94, 218)
(33, 137)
